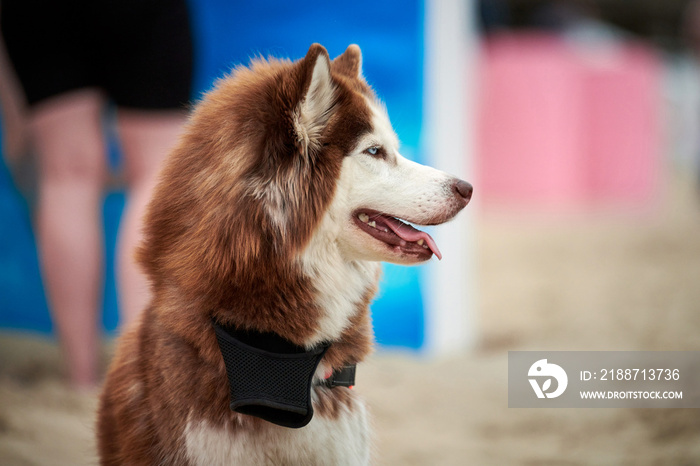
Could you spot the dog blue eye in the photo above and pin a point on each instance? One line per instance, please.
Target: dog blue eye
(373, 150)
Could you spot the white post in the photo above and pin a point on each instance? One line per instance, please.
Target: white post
(450, 51)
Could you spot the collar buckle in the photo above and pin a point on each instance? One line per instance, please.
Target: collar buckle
(343, 377)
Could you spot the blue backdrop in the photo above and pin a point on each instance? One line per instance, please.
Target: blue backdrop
(390, 34)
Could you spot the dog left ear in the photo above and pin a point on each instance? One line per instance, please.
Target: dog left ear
(350, 62)
(317, 103)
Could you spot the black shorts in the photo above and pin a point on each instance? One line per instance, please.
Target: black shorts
(139, 52)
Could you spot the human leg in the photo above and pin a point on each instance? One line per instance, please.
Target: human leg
(149, 79)
(146, 138)
(67, 133)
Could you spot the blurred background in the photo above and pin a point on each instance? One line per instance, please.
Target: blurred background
(580, 131)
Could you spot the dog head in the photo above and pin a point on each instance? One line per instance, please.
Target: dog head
(378, 190)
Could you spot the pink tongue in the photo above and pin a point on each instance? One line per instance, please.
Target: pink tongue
(408, 233)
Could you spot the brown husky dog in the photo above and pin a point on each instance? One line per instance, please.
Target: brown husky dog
(262, 244)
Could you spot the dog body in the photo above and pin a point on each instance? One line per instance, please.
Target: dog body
(271, 215)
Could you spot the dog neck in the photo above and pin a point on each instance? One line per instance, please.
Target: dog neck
(343, 289)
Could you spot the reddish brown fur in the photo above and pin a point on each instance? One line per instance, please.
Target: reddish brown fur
(211, 251)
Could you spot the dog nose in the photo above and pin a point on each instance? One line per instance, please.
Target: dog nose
(463, 189)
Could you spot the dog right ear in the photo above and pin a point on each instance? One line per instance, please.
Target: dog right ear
(318, 98)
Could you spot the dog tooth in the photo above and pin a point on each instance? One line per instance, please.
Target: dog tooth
(425, 246)
(373, 224)
(364, 218)
(421, 241)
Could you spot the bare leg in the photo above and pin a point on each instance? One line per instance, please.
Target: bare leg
(68, 137)
(146, 138)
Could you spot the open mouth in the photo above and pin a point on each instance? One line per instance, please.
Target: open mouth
(397, 234)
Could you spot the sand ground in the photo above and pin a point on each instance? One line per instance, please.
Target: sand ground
(584, 283)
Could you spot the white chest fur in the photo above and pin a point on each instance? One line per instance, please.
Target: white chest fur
(340, 441)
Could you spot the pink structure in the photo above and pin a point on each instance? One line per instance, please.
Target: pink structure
(564, 127)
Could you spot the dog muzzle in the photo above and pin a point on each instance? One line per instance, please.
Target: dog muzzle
(271, 378)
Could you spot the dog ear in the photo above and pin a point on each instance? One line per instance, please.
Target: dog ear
(318, 98)
(350, 62)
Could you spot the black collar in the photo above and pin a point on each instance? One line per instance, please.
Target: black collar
(271, 378)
